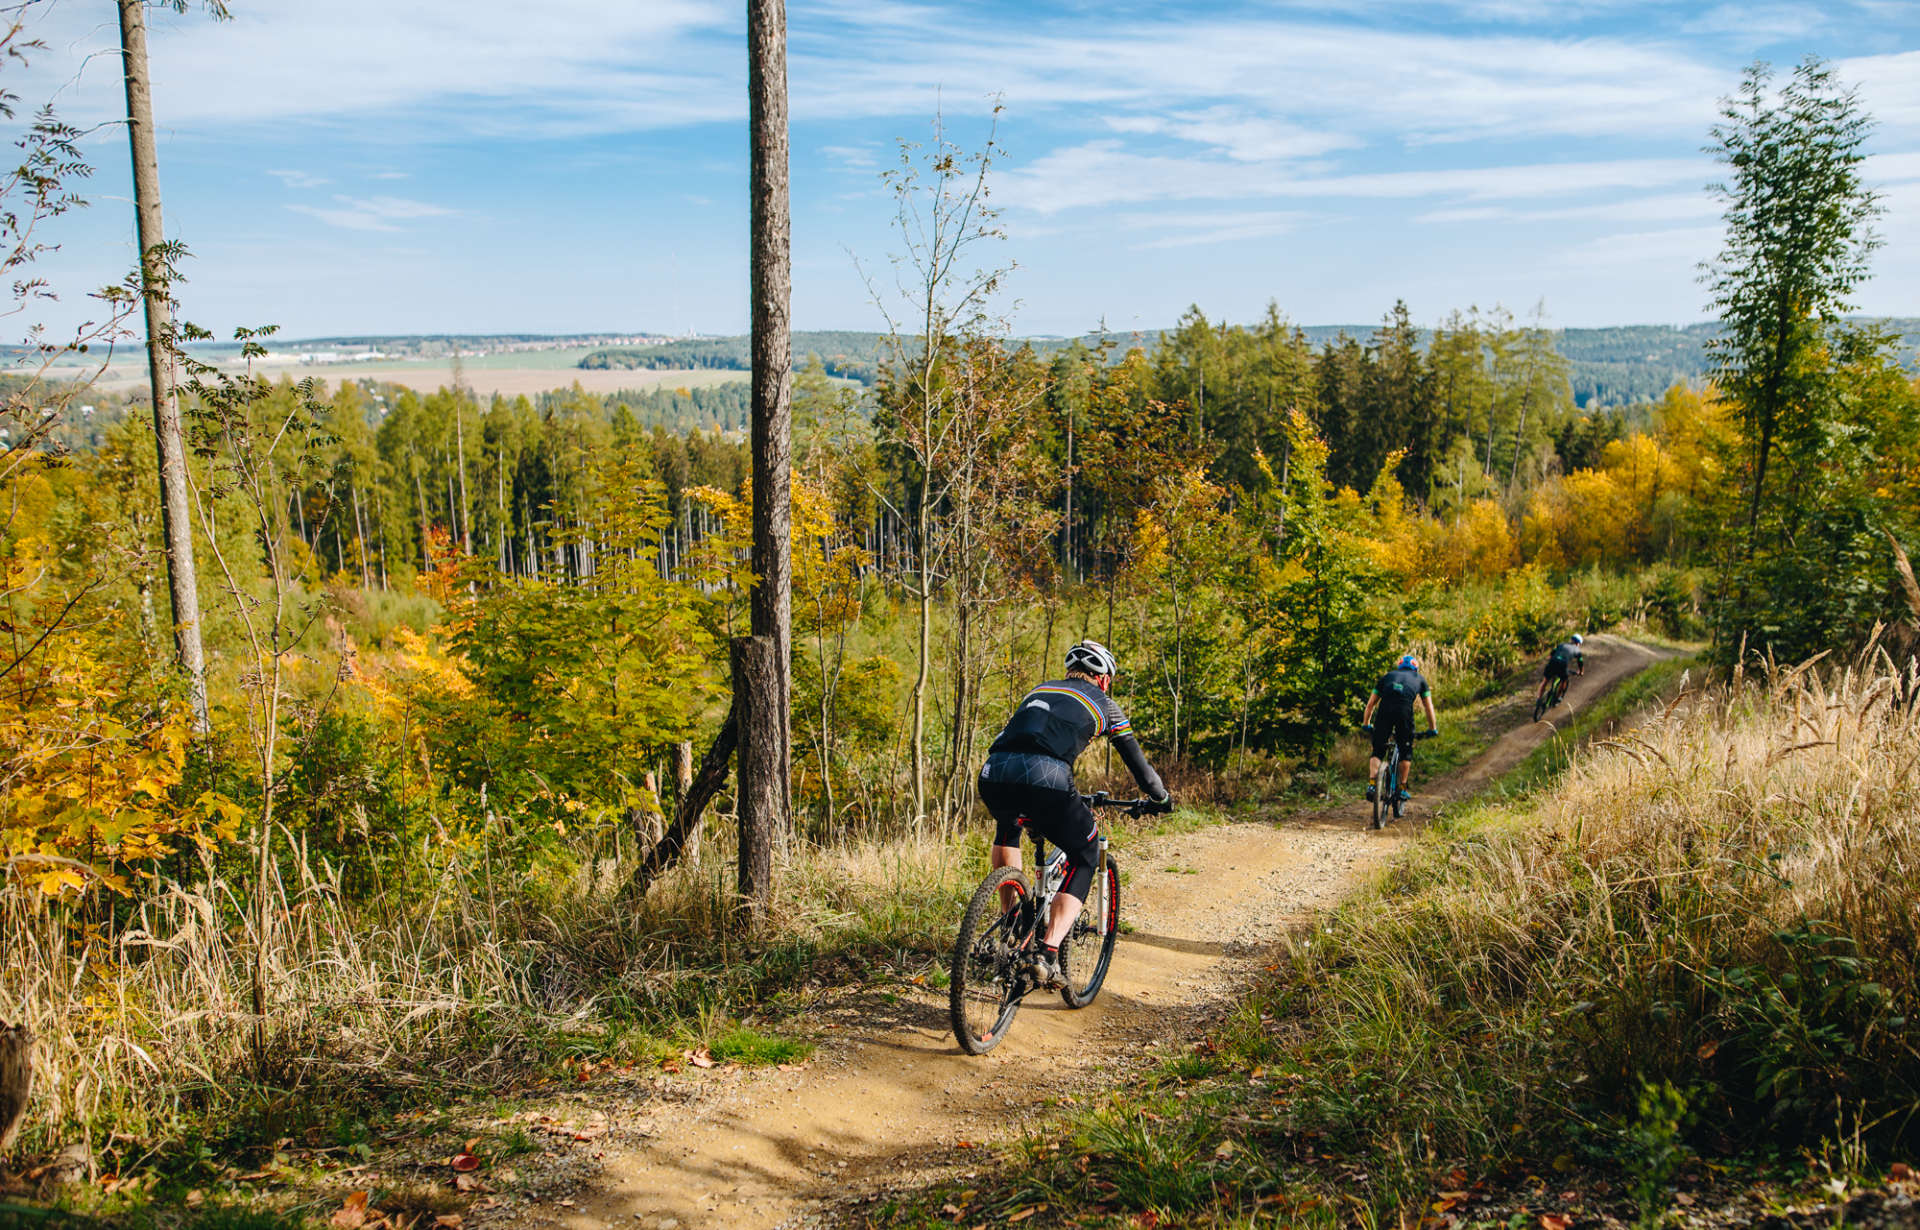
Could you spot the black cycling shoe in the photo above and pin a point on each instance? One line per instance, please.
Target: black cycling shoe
(1371, 791)
(1045, 971)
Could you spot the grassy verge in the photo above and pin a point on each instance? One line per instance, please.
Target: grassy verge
(1687, 975)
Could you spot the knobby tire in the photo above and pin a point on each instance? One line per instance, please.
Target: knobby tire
(1087, 954)
(1381, 781)
(983, 994)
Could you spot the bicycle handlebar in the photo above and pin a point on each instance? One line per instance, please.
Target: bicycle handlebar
(1101, 798)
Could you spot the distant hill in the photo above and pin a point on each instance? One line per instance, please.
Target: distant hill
(852, 356)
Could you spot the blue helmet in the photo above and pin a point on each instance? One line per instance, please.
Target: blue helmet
(1409, 662)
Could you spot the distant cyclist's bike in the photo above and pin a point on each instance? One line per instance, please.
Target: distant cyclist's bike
(989, 973)
(1386, 783)
(1555, 693)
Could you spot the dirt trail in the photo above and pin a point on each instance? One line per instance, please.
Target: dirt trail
(888, 1097)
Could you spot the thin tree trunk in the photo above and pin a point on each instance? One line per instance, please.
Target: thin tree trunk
(176, 517)
(772, 273)
(1066, 524)
(360, 533)
(426, 552)
(920, 680)
(756, 668)
(460, 453)
(682, 837)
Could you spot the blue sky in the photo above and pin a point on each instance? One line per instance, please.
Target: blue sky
(576, 165)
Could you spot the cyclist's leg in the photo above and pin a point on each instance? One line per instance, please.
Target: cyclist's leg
(1072, 828)
(1005, 802)
(1014, 785)
(1403, 731)
(1382, 725)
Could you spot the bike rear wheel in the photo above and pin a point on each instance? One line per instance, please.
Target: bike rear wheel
(984, 993)
(1085, 956)
(1383, 782)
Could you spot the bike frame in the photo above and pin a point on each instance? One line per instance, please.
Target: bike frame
(1048, 885)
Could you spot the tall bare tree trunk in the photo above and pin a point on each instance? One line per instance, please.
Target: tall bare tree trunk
(920, 680)
(176, 516)
(767, 711)
(682, 784)
(755, 691)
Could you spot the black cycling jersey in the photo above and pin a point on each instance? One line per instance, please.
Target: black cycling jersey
(1027, 782)
(1399, 688)
(1564, 656)
(1056, 721)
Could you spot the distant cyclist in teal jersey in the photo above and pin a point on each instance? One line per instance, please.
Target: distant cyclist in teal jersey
(1390, 711)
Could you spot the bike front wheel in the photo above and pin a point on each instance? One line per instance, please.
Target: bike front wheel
(1085, 956)
(1382, 783)
(984, 993)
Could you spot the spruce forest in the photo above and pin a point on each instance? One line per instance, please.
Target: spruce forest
(377, 763)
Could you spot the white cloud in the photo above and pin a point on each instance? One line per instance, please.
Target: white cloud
(1322, 81)
(297, 179)
(1606, 256)
(1259, 83)
(1657, 208)
(1237, 134)
(376, 214)
(1890, 89)
(1104, 173)
(1202, 228)
(478, 67)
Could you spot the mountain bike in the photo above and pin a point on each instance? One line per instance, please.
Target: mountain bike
(1386, 783)
(1554, 694)
(989, 975)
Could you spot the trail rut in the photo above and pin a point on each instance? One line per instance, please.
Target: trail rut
(889, 1099)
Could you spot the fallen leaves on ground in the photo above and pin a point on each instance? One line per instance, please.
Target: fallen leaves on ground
(353, 1213)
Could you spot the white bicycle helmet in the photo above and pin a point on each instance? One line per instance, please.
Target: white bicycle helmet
(1093, 658)
(1578, 639)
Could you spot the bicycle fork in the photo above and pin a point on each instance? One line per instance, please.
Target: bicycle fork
(1097, 895)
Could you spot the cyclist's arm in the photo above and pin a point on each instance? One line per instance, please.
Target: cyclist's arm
(1373, 702)
(1433, 723)
(1136, 762)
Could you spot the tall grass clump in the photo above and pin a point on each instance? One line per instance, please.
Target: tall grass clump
(146, 1032)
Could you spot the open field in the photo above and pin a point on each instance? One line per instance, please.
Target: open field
(524, 378)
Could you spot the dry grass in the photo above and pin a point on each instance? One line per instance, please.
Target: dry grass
(1723, 898)
(146, 1027)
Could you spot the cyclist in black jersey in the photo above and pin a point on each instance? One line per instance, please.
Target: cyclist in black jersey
(1028, 781)
(1566, 656)
(1390, 709)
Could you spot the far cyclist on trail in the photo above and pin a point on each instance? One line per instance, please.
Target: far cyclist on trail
(1566, 656)
(1390, 711)
(1028, 781)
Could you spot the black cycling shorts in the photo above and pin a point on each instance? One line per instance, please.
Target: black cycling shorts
(1556, 669)
(1059, 816)
(1400, 726)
